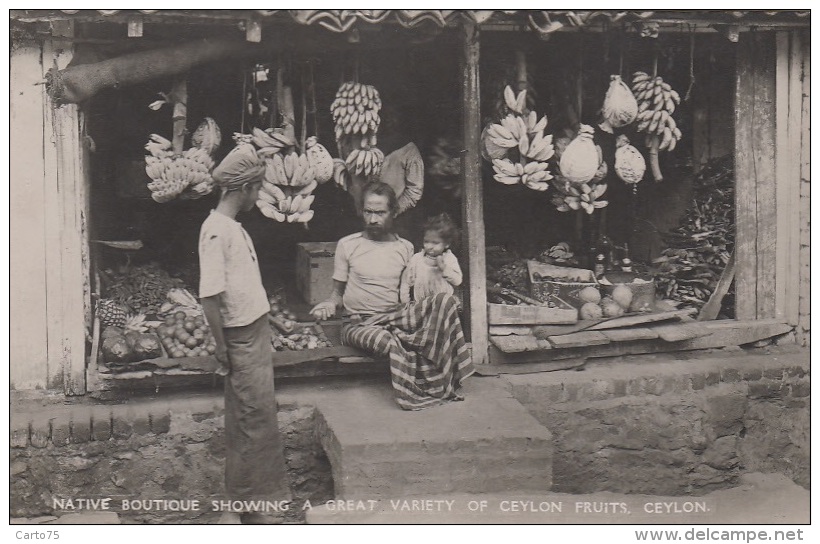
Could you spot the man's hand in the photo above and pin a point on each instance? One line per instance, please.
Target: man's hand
(324, 310)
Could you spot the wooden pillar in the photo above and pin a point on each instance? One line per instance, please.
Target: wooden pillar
(28, 301)
(66, 205)
(804, 297)
(788, 152)
(473, 195)
(755, 200)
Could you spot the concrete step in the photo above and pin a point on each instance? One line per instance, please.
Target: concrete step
(759, 499)
(484, 444)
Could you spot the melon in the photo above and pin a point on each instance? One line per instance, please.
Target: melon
(623, 296)
(611, 308)
(591, 310)
(590, 294)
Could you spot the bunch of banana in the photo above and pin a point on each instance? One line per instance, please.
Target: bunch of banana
(532, 174)
(172, 175)
(365, 161)
(355, 109)
(286, 204)
(581, 197)
(519, 142)
(657, 101)
(292, 170)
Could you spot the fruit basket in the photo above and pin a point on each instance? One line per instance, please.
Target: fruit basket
(559, 285)
(642, 287)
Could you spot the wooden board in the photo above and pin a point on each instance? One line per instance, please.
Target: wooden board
(711, 309)
(507, 330)
(517, 344)
(755, 175)
(504, 314)
(640, 319)
(721, 334)
(472, 199)
(804, 285)
(631, 334)
(579, 339)
(496, 368)
(678, 332)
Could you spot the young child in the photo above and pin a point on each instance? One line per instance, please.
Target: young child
(434, 269)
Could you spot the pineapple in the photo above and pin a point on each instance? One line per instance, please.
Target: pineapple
(111, 313)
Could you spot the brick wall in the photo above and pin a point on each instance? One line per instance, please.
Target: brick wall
(145, 450)
(673, 426)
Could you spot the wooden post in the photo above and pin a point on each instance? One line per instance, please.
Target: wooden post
(756, 213)
(804, 300)
(28, 363)
(789, 111)
(473, 195)
(180, 115)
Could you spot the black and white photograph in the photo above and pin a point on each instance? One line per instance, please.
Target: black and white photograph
(410, 267)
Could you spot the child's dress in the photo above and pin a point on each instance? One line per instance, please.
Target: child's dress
(426, 279)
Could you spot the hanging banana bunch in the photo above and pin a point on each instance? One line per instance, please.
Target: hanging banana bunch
(286, 193)
(656, 104)
(517, 146)
(581, 197)
(355, 112)
(187, 175)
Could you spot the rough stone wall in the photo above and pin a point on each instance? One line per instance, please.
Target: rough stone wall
(154, 451)
(671, 428)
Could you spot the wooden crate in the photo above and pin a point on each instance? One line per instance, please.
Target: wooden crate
(314, 270)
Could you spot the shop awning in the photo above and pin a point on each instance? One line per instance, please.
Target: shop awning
(335, 20)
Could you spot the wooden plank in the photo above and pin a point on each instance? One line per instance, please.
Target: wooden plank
(721, 334)
(641, 319)
(631, 334)
(543, 357)
(28, 271)
(679, 332)
(579, 339)
(472, 197)
(497, 368)
(517, 344)
(506, 314)
(804, 302)
(711, 309)
(792, 253)
(782, 167)
(507, 330)
(755, 174)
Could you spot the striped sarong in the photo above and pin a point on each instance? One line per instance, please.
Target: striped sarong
(425, 344)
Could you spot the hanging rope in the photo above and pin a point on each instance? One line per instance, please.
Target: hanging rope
(691, 63)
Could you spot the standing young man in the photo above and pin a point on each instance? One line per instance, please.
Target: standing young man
(236, 307)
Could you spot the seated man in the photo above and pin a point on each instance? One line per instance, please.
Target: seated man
(423, 340)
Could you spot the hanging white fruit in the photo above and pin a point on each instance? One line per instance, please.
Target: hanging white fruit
(579, 161)
(319, 159)
(620, 107)
(629, 163)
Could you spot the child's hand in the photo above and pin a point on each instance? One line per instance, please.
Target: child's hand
(440, 262)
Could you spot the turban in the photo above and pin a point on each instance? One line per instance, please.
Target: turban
(239, 167)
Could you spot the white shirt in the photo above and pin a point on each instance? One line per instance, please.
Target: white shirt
(372, 271)
(228, 267)
(427, 279)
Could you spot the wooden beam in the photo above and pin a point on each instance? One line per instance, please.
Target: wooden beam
(791, 265)
(473, 194)
(180, 115)
(756, 213)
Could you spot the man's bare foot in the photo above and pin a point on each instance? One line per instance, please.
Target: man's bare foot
(230, 518)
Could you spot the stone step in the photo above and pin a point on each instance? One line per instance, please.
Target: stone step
(484, 444)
